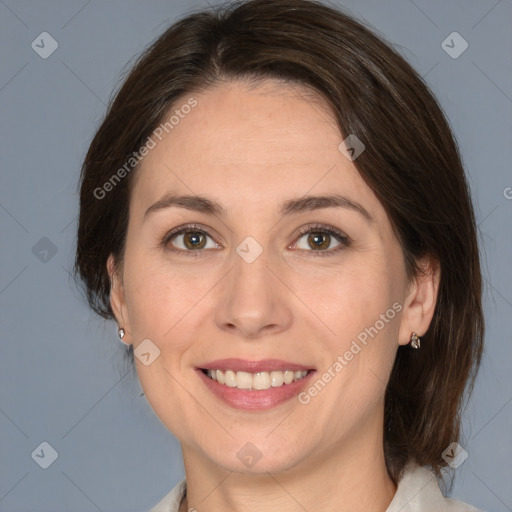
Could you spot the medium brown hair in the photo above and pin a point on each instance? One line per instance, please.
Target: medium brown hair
(411, 163)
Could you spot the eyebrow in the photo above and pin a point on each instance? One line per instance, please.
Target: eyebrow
(208, 206)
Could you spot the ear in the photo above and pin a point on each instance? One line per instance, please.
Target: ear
(117, 299)
(420, 301)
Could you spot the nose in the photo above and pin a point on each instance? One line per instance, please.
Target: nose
(253, 301)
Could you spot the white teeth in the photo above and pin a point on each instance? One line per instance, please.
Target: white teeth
(256, 381)
(276, 379)
(230, 378)
(243, 380)
(261, 380)
(288, 376)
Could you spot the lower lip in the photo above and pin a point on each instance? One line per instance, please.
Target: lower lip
(255, 399)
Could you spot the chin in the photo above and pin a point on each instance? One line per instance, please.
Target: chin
(253, 457)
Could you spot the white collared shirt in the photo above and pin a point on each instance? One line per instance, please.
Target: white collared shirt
(417, 491)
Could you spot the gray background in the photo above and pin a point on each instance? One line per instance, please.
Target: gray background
(63, 378)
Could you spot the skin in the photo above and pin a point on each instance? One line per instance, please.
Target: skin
(250, 149)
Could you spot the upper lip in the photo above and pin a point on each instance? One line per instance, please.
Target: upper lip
(244, 365)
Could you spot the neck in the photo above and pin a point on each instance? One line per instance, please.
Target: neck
(349, 476)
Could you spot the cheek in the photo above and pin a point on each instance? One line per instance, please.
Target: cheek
(166, 302)
(361, 306)
(154, 295)
(354, 295)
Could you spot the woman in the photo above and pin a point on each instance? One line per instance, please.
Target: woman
(275, 214)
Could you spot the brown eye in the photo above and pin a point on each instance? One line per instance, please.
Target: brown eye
(317, 241)
(188, 239)
(320, 239)
(194, 240)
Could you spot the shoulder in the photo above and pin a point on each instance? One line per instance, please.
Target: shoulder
(171, 501)
(459, 506)
(418, 491)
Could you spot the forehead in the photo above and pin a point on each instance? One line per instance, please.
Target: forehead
(260, 141)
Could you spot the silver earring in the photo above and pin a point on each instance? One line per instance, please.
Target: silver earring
(415, 341)
(121, 333)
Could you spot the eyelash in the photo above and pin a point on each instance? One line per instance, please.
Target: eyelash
(344, 240)
(179, 231)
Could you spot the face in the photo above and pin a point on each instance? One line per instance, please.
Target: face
(252, 275)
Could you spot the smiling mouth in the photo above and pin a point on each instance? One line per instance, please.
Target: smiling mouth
(255, 381)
